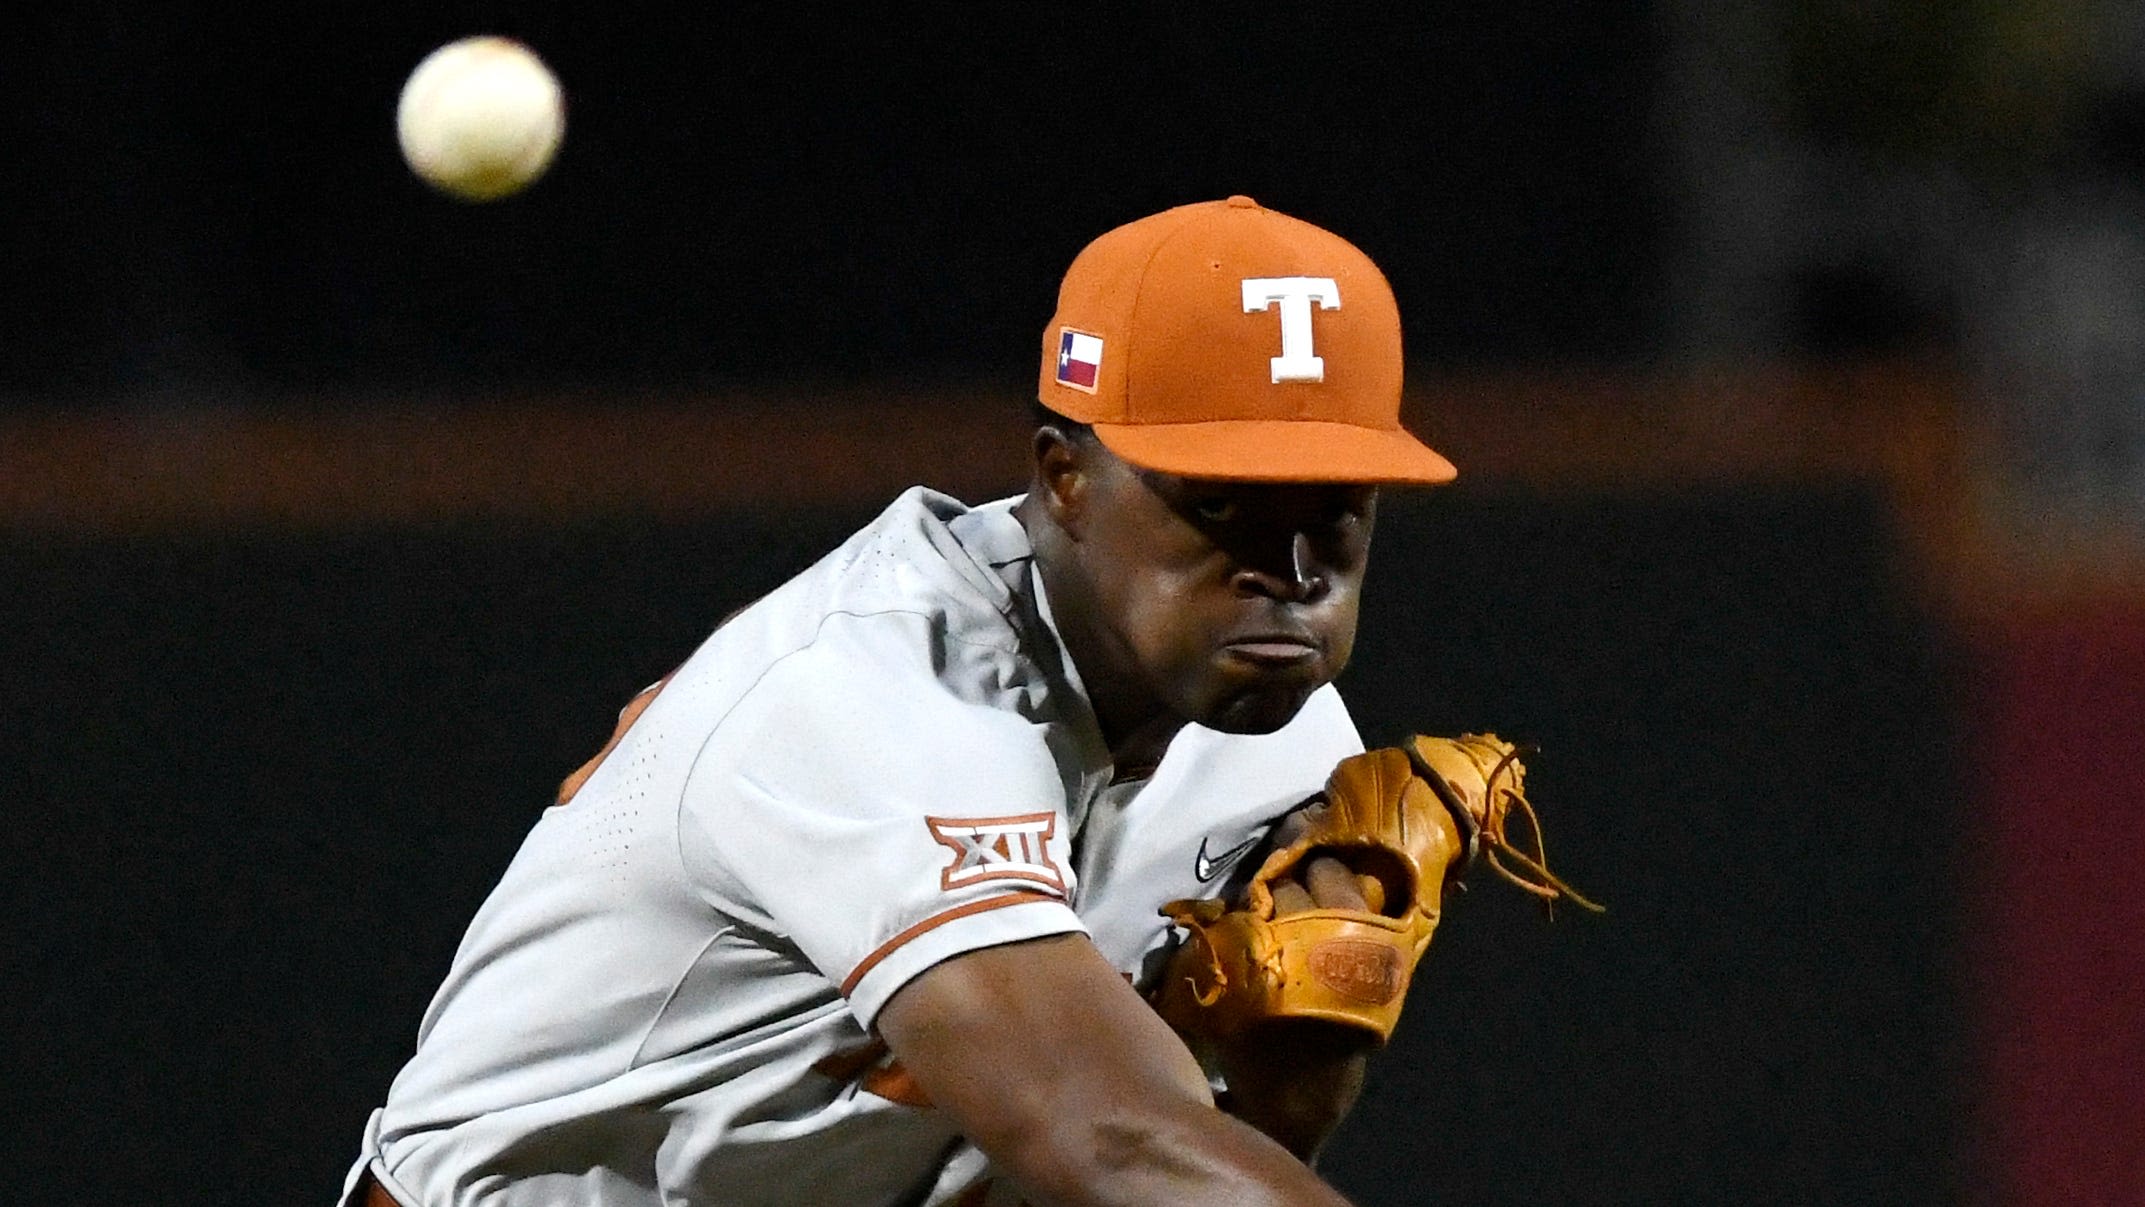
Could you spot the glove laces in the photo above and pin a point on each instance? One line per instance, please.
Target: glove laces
(1486, 837)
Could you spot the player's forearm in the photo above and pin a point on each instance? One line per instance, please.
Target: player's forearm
(1194, 1156)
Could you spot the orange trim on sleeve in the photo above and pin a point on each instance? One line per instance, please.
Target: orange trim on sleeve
(893, 1082)
(933, 923)
(874, 1073)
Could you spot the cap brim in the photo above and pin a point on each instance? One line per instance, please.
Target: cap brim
(1278, 450)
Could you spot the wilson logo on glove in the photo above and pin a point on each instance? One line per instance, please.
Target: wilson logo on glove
(1367, 972)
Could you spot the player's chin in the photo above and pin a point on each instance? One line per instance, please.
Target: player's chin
(1260, 705)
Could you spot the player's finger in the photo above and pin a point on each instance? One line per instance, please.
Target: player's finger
(1291, 898)
(1332, 885)
(1373, 892)
(1291, 827)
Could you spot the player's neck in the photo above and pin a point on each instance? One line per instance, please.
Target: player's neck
(1136, 726)
(1136, 754)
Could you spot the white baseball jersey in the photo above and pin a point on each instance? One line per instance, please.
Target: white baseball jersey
(888, 761)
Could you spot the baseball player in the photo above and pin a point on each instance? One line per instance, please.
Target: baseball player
(864, 902)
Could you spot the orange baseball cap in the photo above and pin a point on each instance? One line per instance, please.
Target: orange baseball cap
(1225, 340)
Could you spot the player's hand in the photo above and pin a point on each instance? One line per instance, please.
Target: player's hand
(1322, 881)
(1296, 1079)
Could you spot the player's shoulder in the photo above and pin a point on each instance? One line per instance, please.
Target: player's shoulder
(926, 554)
(909, 620)
(930, 554)
(880, 711)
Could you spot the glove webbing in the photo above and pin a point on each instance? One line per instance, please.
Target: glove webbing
(1486, 837)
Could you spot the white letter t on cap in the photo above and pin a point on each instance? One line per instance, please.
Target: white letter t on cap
(1296, 363)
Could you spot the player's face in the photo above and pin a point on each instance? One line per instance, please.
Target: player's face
(1228, 602)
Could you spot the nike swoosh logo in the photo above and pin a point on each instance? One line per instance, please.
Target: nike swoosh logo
(1207, 867)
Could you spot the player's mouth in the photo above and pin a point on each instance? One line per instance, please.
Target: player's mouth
(1273, 650)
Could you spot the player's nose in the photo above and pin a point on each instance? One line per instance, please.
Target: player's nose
(1289, 573)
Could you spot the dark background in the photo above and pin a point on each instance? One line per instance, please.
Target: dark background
(215, 201)
(261, 776)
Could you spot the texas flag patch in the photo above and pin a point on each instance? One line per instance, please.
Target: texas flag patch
(1079, 359)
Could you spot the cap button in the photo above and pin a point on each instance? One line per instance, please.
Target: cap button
(1239, 201)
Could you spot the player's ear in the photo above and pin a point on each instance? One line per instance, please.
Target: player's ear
(1064, 476)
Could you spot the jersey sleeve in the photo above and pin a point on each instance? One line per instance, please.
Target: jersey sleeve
(856, 805)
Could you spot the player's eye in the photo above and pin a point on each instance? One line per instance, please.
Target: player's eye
(1347, 511)
(1215, 511)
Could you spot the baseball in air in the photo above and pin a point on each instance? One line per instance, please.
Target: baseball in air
(481, 118)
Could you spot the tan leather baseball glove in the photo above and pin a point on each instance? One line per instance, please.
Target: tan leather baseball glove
(1405, 820)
